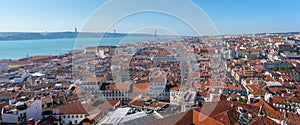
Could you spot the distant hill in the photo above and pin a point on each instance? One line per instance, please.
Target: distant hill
(280, 33)
(58, 35)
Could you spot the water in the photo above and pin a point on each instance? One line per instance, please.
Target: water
(18, 49)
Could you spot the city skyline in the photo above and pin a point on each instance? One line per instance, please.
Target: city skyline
(229, 17)
(149, 62)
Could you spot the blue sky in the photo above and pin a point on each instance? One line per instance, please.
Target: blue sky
(228, 16)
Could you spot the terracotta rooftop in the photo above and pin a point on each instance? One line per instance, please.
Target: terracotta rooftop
(277, 90)
(156, 105)
(266, 105)
(234, 87)
(262, 120)
(279, 100)
(294, 99)
(72, 108)
(93, 79)
(50, 120)
(254, 89)
(137, 102)
(117, 86)
(108, 104)
(141, 88)
(222, 114)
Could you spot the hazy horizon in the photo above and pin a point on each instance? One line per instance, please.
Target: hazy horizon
(229, 17)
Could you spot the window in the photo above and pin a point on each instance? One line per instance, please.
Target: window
(68, 116)
(72, 116)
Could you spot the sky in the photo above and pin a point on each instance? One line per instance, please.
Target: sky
(228, 16)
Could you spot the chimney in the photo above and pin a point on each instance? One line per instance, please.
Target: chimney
(232, 106)
(31, 121)
(261, 110)
(285, 115)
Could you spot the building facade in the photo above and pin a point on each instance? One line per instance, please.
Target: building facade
(22, 112)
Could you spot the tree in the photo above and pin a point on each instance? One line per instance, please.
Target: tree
(242, 100)
(283, 68)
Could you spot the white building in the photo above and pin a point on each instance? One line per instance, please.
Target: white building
(5, 96)
(22, 112)
(101, 53)
(3, 79)
(4, 67)
(274, 84)
(116, 117)
(181, 97)
(158, 87)
(69, 113)
(36, 78)
(115, 91)
(91, 84)
(121, 117)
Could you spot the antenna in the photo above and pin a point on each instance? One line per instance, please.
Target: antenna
(155, 33)
(115, 33)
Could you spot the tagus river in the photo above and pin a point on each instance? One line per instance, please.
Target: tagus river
(19, 48)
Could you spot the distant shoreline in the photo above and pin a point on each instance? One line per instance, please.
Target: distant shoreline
(14, 36)
(17, 49)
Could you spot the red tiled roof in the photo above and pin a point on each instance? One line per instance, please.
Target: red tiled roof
(50, 120)
(227, 117)
(222, 114)
(294, 99)
(261, 120)
(277, 90)
(107, 104)
(46, 100)
(156, 105)
(235, 96)
(72, 108)
(93, 79)
(137, 102)
(185, 118)
(266, 105)
(141, 88)
(203, 94)
(119, 86)
(201, 119)
(234, 87)
(279, 100)
(254, 89)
